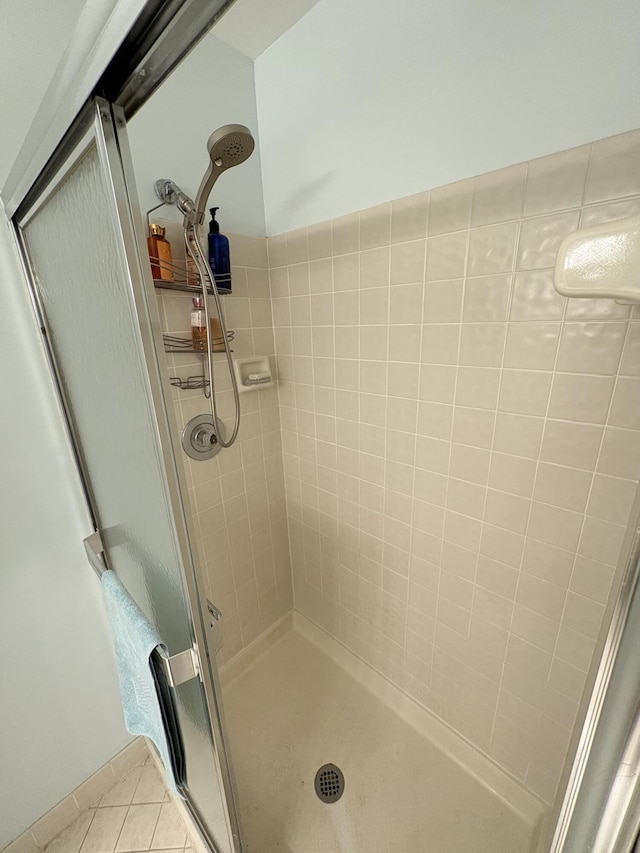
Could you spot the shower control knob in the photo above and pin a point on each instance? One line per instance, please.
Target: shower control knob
(200, 437)
(205, 437)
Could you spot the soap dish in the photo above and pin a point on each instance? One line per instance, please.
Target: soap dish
(253, 372)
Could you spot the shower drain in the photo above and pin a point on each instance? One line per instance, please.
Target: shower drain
(329, 783)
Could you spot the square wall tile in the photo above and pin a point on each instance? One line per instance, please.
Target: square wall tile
(611, 498)
(512, 474)
(443, 301)
(556, 182)
(407, 262)
(591, 347)
(374, 268)
(409, 218)
(492, 249)
(573, 444)
(446, 256)
(319, 241)
(486, 299)
(497, 196)
(535, 297)
(532, 345)
(345, 233)
(613, 170)
(440, 344)
(578, 397)
(524, 392)
(620, 453)
(561, 486)
(450, 208)
(482, 344)
(375, 226)
(519, 435)
(625, 406)
(473, 427)
(477, 387)
(540, 239)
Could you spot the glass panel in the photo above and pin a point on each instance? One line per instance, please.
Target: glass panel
(76, 251)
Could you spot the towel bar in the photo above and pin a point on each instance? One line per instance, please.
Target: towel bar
(178, 668)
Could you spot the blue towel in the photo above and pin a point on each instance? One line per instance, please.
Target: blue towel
(134, 639)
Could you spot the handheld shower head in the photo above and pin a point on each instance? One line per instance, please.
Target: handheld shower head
(230, 145)
(227, 146)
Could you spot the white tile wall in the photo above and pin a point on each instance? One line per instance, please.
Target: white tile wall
(461, 444)
(237, 497)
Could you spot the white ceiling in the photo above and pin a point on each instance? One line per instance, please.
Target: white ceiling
(251, 26)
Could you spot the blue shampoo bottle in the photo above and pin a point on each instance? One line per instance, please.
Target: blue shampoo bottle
(219, 257)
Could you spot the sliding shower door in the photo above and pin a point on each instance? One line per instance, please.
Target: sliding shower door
(94, 297)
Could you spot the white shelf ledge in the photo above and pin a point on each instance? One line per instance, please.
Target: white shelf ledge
(601, 262)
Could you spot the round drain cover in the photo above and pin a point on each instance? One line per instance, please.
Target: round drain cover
(329, 783)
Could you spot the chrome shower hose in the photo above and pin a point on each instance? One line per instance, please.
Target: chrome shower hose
(194, 248)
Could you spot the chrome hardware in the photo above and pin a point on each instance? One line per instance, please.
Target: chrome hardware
(181, 667)
(178, 668)
(165, 190)
(214, 624)
(200, 439)
(94, 548)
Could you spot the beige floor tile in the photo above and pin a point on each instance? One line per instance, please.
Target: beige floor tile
(71, 839)
(170, 830)
(121, 794)
(25, 843)
(90, 792)
(55, 821)
(151, 787)
(139, 826)
(135, 753)
(103, 833)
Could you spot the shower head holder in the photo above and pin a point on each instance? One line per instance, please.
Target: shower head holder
(170, 193)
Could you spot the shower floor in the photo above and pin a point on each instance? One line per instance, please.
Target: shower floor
(294, 709)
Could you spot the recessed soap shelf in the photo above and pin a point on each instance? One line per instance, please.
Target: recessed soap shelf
(253, 372)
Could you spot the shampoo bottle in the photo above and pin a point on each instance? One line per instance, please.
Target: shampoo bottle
(198, 325)
(219, 258)
(160, 253)
(199, 328)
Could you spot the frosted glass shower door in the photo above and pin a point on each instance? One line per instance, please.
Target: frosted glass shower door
(96, 304)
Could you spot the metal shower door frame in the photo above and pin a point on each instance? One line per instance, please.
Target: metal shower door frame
(105, 124)
(600, 802)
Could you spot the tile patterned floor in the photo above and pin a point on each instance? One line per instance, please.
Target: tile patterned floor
(135, 816)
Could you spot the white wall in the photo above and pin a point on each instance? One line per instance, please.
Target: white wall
(362, 102)
(60, 716)
(213, 86)
(23, 82)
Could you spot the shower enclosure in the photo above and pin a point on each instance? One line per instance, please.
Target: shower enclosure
(416, 541)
